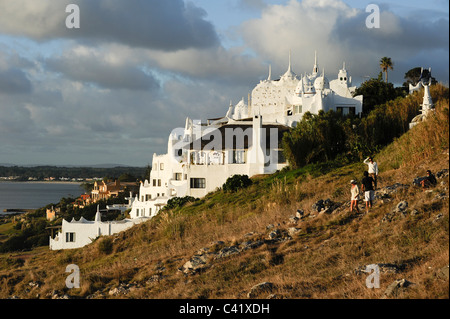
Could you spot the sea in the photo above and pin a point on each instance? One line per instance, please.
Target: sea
(34, 195)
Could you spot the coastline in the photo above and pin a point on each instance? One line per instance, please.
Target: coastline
(41, 182)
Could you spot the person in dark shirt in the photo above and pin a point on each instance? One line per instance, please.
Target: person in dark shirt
(428, 181)
(367, 187)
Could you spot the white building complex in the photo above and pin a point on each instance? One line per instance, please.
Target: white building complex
(246, 141)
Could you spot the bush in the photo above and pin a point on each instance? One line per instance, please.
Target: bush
(236, 182)
(177, 202)
(105, 245)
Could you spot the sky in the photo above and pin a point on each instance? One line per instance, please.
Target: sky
(112, 90)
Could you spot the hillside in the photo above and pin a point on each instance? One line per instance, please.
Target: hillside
(226, 243)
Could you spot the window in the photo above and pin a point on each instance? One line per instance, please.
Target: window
(70, 237)
(198, 183)
(148, 197)
(161, 166)
(154, 183)
(137, 212)
(159, 182)
(178, 176)
(239, 157)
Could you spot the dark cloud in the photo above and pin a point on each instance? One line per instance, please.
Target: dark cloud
(97, 71)
(163, 25)
(14, 81)
(395, 33)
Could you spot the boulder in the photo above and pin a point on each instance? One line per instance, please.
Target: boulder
(442, 173)
(299, 214)
(227, 251)
(293, 220)
(401, 207)
(274, 234)
(384, 268)
(396, 287)
(443, 273)
(293, 230)
(260, 288)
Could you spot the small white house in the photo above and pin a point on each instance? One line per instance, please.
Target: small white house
(76, 234)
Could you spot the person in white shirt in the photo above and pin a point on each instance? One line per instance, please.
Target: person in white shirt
(373, 169)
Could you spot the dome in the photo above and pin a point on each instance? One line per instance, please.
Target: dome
(321, 83)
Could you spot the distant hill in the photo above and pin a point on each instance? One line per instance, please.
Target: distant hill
(100, 171)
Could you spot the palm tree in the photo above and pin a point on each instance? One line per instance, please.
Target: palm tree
(385, 64)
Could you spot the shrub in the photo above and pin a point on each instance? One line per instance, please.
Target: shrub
(105, 245)
(178, 202)
(236, 182)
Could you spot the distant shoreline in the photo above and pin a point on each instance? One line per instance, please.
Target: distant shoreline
(42, 182)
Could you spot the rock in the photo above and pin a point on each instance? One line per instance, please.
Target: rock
(396, 287)
(401, 207)
(118, 291)
(399, 210)
(318, 206)
(442, 173)
(260, 288)
(384, 269)
(293, 220)
(441, 196)
(274, 234)
(34, 284)
(387, 191)
(293, 230)
(227, 251)
(299, 214)
(438, 216)
(196, 264)
(414, 212)
(443, 273)
(251, 244)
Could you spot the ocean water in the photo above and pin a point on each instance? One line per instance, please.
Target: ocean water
(33, 195)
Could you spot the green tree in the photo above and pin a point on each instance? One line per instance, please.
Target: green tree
(376, 92)
(316, 138)
(413, 76)
(386, 64)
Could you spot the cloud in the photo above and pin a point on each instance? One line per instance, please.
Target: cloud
(338, 33)
(106, 69)
(164, 25)
(14, 81)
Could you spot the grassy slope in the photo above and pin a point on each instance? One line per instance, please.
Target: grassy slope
(319, 262)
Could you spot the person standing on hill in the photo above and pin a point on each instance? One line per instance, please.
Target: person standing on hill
(354, 196)
(372, 169)
(367, 186)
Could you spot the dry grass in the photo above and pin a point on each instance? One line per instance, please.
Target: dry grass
(319, 262)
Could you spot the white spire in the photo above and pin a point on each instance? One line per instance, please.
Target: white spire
(289, 73)
(98, 215)
(289, 68)
(269, 78)
(316, 67)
